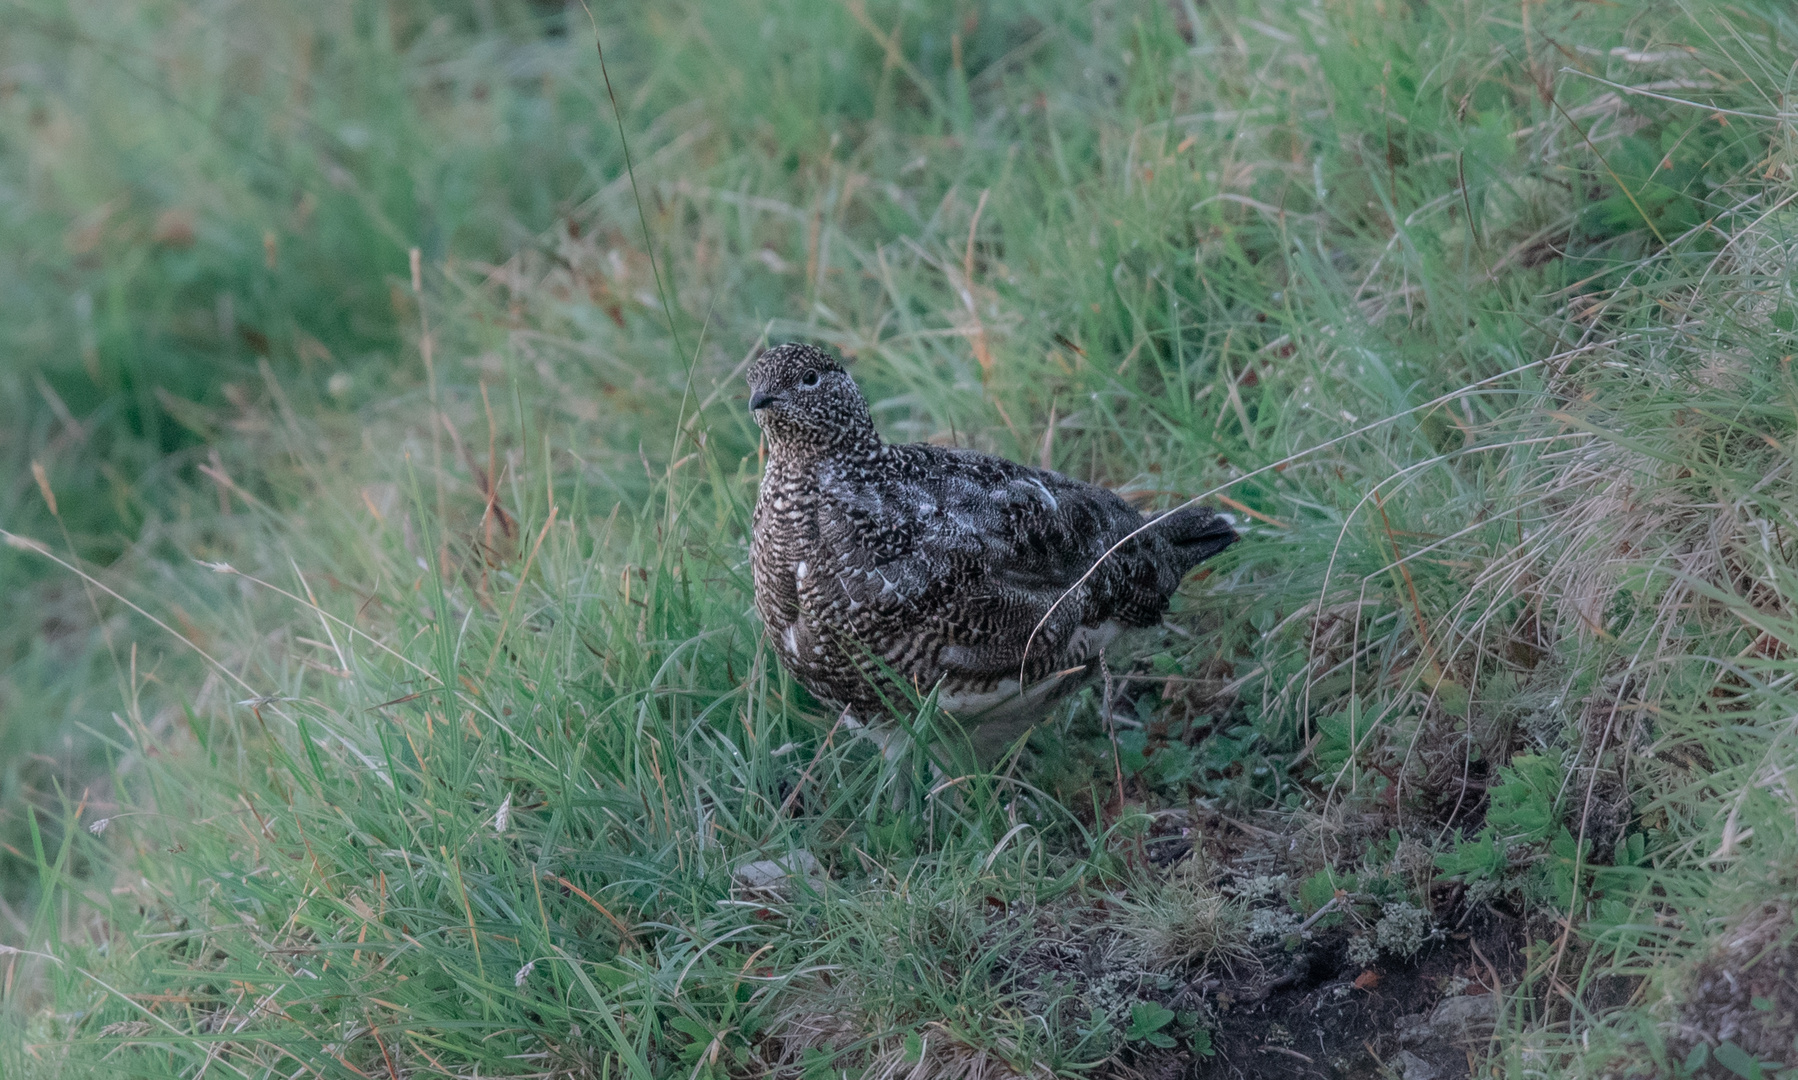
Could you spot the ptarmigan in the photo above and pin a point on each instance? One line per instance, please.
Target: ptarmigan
(877, 563)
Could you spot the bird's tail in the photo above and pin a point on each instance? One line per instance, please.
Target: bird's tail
(1197, 533)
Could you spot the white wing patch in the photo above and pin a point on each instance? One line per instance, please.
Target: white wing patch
(1003, 702)
(1089, 641)
(957, 656)
(973, 703)
(1029, 487)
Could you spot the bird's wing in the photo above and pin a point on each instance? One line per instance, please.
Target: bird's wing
(981, 547)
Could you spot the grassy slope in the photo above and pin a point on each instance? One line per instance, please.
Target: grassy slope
(511, 756)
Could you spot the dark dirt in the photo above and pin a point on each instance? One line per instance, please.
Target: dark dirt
(1326, 1017)
(1323, 1018)
(1312, 1014)
(1744, 994)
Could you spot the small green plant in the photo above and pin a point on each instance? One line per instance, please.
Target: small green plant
(1472, 859)
(1521, 813)
(1321, 888)
(820, 1063)
(1742, 1063)
(914, 1047)
(1524, 804)
(1199, 1040)
(1339, 737)
(1147, 1021)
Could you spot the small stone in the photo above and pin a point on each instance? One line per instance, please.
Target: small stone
(1449, 1028)
(766, 875)
(1412, 1067)
(1458, 1014)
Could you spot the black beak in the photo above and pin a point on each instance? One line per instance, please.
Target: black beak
(761, 399)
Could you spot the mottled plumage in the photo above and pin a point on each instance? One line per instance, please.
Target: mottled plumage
(934, 565)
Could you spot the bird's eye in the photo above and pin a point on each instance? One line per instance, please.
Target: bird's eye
(811, 379)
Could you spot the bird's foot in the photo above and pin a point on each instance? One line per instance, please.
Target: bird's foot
(893, 742)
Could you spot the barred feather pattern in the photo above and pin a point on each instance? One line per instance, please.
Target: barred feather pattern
(878, 565)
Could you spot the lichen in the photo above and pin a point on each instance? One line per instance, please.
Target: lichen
(1271, 924)
(1403, 928)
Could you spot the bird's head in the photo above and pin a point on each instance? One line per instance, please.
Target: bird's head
(804, 400)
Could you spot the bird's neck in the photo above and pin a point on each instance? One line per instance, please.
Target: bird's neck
(848, 444)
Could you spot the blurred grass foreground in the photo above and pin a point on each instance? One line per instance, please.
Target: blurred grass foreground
(379, 692)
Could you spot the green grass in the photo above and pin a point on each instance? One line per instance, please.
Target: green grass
(455, 724)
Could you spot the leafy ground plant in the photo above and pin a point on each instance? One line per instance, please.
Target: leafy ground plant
(379, 538)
